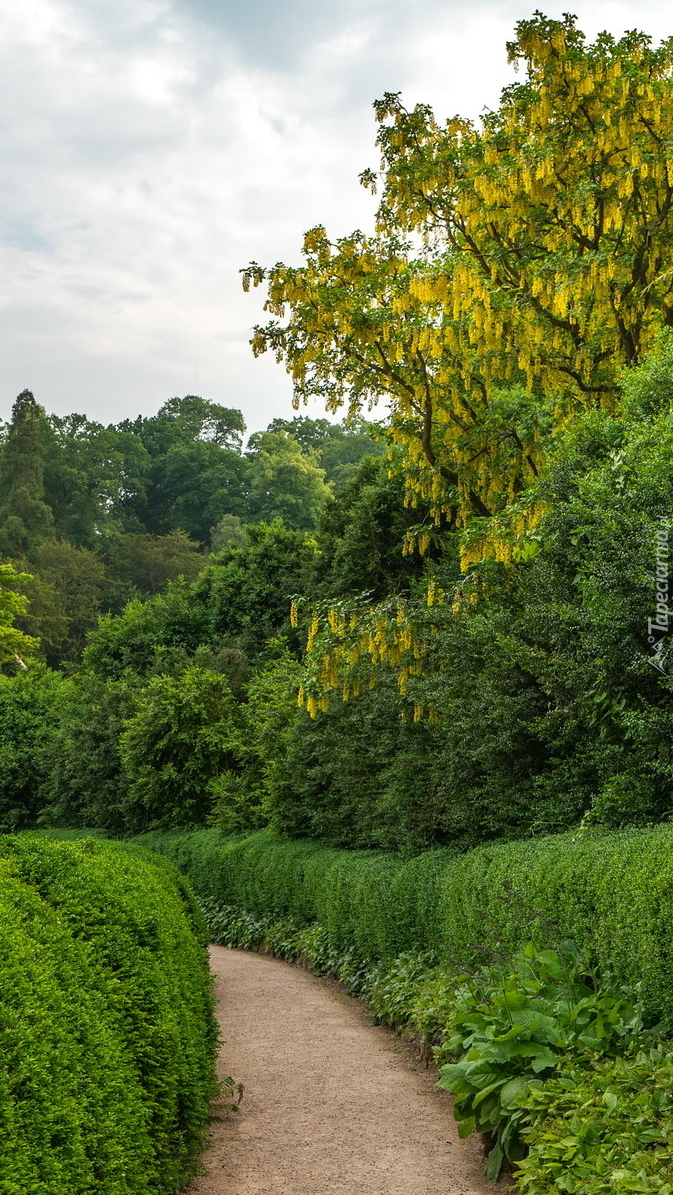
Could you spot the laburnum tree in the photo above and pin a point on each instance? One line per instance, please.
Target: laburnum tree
(518, 265)
(546, 234)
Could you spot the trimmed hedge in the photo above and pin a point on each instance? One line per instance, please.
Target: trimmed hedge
(107, 1036)
(612, 892)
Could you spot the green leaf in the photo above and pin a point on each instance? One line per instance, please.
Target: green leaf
(466, 1127)
(494, 1163)
(511, 1091)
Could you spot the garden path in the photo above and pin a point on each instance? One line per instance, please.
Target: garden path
(332, 1105)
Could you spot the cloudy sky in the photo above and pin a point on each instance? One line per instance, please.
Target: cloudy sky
(153, 147)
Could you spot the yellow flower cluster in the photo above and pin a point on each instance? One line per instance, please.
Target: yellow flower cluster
(343, 652)
(548, 234)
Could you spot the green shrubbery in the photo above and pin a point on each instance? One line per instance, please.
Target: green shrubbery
(539, 1036)
(510, 1026)
(611, 893)
(107, 1036)
(601, 1129)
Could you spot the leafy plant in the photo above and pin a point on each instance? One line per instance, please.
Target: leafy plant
(228, 1094)
(600, 1126)
(392, 989)
(513, 1024)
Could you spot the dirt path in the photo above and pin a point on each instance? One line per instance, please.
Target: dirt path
(332, 1106)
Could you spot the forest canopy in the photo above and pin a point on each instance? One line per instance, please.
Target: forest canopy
(94, 517)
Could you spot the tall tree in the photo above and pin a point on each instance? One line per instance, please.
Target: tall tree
(14, 644)
(94, 475)
(339, 447)
(548, 233)
(196, 472)
(147, 563)
(285, 482)
(64, 593)
(185, 420)
(25, 517)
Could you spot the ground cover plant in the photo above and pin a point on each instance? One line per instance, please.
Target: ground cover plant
(107, 1032)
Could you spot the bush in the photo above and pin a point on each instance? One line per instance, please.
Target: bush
(381, 904)
(604, 1129)
(180, 738)
(611, 893)
(106, 1023)
(29, 702)
(518, 1020)
(543, 1049)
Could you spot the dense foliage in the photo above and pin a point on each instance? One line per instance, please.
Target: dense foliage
(99, 515)
(611, 893)
(523, 699)
(546, 230)
(107, 1030)
(540, 1036)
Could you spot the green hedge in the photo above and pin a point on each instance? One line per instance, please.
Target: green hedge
(610, 891)
(107, 1036)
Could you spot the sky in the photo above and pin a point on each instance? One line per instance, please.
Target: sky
(152, 148)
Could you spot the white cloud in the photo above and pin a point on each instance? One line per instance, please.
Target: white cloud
(150, 150)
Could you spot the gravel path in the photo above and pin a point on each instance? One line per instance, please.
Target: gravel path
(332, 1105)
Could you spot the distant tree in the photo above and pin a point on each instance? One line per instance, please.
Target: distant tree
(93, 475)
(182, 736)
(25, 517)
(285, 482)
(29, 705)
(184, 420)
(146, 563)
(44, 618)
(338, 446)
(14, 644)
(240, 600)
(362, 533)
(77, 579)
(139, 639)
(242, 796)
(64, 594)
(246, 591)
(196, 472)
(192, 486)
(229, 530)
(83, 783)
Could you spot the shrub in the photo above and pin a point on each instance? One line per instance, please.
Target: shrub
(517, 1020)
(106, 1022)
(602, 1129)
(611, 893)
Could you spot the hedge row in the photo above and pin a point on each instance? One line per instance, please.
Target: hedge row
(107, 1036)
(612, 892)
